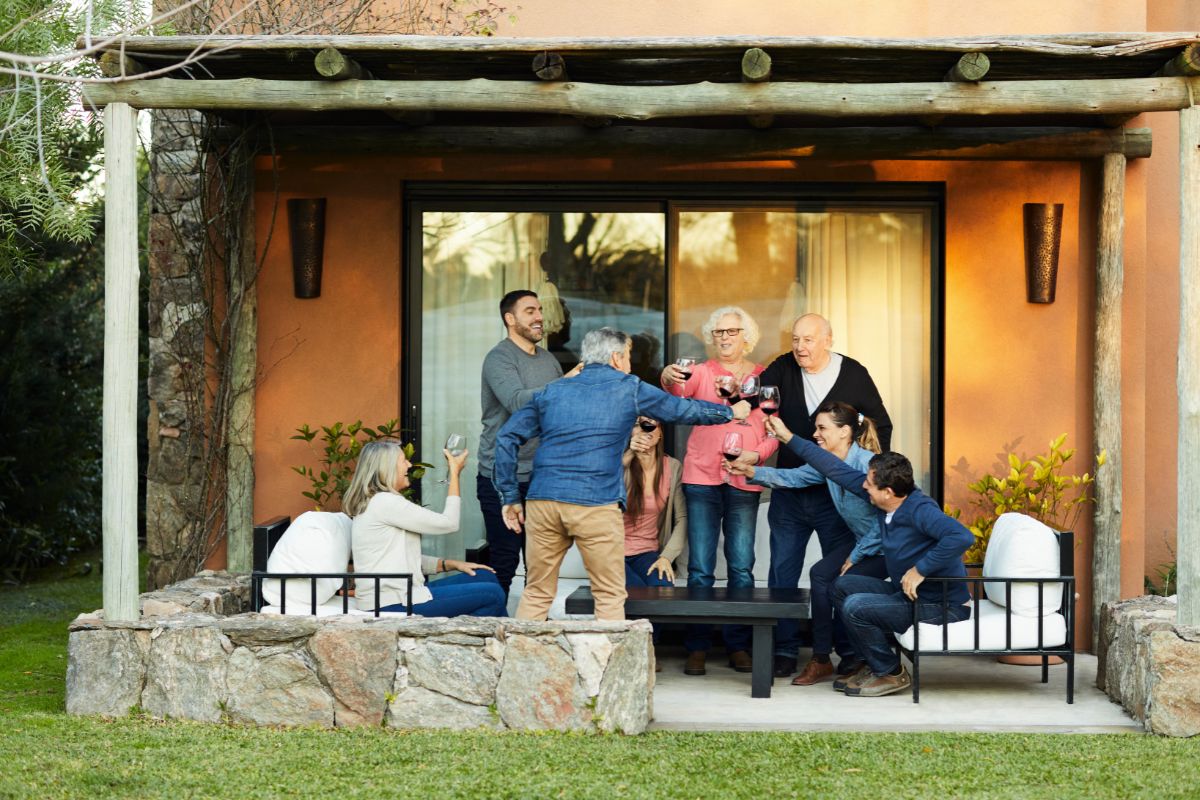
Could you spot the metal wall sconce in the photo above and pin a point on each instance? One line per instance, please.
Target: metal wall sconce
(1043, 234)
(306, 227)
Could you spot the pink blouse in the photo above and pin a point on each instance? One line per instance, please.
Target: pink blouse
(702, 464)
(641, 534)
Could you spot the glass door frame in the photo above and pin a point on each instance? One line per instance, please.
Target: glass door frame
(567, 197)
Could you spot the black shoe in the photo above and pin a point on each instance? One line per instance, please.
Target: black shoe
(784, 666)
(849, 666)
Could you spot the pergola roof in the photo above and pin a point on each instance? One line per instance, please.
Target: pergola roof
(665, 61)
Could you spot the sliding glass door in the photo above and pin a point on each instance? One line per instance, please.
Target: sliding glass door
(655, 263)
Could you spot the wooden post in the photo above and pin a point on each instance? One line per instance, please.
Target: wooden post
(1187, 545)
(1106, 402)
(756, 68)
(119, 428)
(1186, 63)
(239, 434)
(550, 67)
(333, 65)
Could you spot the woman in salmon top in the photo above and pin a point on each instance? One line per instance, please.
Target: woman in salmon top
(715, 502)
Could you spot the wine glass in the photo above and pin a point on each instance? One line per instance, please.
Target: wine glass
(685, 364)
(751, 385)
(769, 404)
(456, 443)
(731, 448)
(727, 388)
(646, 424)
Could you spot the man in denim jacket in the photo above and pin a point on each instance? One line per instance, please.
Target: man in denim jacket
(578, 485)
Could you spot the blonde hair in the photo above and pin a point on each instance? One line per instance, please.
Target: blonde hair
(375, 472)
(750, 330)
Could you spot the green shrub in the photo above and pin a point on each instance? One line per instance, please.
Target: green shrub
(340, 446)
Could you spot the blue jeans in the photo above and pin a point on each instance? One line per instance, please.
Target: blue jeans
(874, 609)
(828, 630)
(477, 595)
(504, 546)
(793, 515)
(710, 507)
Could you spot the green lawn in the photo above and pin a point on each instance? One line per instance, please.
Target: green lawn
(46, 754)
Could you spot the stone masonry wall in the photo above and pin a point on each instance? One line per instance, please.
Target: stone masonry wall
(415, 672)
(1150, 666)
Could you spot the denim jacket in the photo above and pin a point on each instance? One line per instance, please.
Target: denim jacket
(861, 517)
(584, 424)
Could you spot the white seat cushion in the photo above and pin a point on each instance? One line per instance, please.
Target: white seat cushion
(318, 541)
(1022, 547)
(992, 634)
(329, 608)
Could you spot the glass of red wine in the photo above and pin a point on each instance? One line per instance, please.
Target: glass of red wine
(768, 402)
(749, 389)
(647, 424)
(731, 448)
(727, 388)
(685, 364)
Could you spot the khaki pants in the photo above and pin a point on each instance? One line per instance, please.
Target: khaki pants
(599, 533)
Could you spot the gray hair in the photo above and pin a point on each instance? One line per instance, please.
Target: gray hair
(600, 345)
(750, 330)
(375, 472)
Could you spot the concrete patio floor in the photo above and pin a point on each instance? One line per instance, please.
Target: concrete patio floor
(958, 693)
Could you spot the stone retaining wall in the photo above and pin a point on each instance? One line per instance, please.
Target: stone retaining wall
(1151, 666)
(344, 671)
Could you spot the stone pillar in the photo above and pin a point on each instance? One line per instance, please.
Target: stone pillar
(177, 308)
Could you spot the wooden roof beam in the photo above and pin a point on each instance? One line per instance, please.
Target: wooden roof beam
(334, 65)
(970, 68)
(856, 143)
(756, 68)
(1186, 64)
(880, 100)
(549, 66)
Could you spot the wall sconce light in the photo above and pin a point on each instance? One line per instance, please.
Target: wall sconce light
(306, 227)
(1043, 234)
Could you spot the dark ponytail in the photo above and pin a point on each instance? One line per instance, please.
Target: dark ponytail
(862, 429)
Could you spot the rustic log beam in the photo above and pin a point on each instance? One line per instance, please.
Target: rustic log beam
(334, 65)
(1106, 393)
(115, 64)
(1187, 545)
(971, 68)
(907, 143)
(1186, 64)
(549, 66)
(1091, 97)
(119, 427)
(756, 66)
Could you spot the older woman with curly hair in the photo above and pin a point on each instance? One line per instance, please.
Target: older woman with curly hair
(715, 501)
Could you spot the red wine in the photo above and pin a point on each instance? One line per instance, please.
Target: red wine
(687, 375)
(726, 393)
(769, 407)
(731, 456)
(647, 426)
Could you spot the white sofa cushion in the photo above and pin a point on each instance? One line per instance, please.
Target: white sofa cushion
(992, 634)
(329, 608)
(318, 541)
(1022, 547)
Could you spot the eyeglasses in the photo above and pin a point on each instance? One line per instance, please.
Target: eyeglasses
(721, 333)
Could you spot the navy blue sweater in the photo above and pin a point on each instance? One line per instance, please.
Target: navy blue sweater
(920, 535)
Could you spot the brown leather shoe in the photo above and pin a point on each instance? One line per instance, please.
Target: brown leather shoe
(813, 672)
(695, 663)
(862, 673)
(880, 685)
(740, 661)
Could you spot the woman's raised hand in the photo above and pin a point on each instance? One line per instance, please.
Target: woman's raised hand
(456, 463)
(673, 375)
(776, 426)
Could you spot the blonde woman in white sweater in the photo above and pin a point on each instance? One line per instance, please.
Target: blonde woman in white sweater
(387, 538)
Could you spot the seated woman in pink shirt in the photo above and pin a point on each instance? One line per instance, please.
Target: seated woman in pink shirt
(655, 511)
(714, 502)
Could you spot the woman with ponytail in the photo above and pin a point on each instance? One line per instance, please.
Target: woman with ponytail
(850, 436)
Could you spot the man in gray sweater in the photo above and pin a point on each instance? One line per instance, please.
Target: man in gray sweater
(512, 371)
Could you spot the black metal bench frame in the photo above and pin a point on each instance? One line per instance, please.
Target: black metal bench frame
(267, 535)
(1065, 651)
(760, 608)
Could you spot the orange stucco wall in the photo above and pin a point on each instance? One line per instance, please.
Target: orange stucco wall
(1016, 374)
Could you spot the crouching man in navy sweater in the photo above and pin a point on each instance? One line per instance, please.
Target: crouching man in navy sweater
(918, 540)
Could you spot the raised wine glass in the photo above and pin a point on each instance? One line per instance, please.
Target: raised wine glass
(768, 402)
(456, 443)
(727, 388)
(685, 364)
(750, 387)
(646, 424)
(731, 448)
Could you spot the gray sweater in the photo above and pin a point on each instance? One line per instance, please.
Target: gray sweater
(510, 377)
